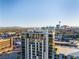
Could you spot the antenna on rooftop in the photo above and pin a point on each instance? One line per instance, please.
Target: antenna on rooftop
(59, 22)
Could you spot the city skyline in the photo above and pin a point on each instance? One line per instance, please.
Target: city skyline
(38, 13)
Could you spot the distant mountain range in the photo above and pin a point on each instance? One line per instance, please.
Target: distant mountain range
(19, 29)
(12, 29)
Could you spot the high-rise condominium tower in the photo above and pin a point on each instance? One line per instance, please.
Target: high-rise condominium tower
(37, 44)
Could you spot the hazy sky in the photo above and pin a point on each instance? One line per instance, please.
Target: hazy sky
(28, 13)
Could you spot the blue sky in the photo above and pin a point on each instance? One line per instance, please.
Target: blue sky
(29, 13)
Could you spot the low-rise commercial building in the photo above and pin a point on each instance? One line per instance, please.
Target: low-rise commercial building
(6, 45)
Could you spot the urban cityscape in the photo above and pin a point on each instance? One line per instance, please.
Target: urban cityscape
(59, 42)
(39, 29)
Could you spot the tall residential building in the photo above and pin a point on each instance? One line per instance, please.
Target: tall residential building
(37, 44)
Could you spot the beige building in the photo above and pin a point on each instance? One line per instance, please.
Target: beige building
(6, 45)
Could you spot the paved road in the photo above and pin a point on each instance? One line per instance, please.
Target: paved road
(9, 56)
